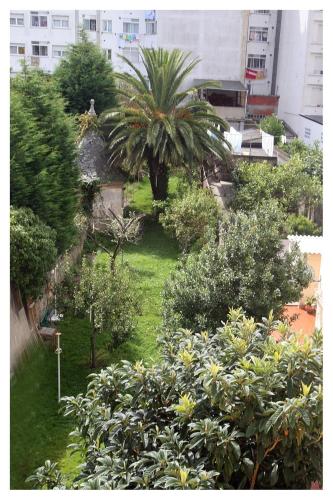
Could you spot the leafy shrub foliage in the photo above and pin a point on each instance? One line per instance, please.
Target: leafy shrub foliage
(272, 125)
(289, 184)
(32, 251)
(299, 224)
(235, 410)
(109, 299)
(247, 269)
(311, 156)
(192, 219)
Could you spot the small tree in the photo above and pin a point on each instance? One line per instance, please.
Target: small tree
(247, 269)
(118, 230)
(110, 302)
(299, 224)
(84, 73)
(192, 219)
(236, 410)
(32, 251)
(272, 125)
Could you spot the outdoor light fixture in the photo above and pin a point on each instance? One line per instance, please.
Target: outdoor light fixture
(58, 352)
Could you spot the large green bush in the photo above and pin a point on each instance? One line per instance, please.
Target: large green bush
(289, 184)
(44, 170)
(311, 156)
(235, 410)
(299, 224)
(83, 74)
(32, 251)
(192, 218)
(247, 269)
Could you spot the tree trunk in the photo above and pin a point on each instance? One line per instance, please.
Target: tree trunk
(93, 348)
(159, 177)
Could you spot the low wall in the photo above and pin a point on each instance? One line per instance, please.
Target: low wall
(25, 318)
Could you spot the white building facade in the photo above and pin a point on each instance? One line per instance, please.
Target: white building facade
(300, 73)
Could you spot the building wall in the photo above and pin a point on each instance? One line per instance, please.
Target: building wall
(265, 48)
(216, 37)
(299, 82)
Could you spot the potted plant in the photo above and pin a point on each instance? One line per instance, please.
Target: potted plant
(310, 304)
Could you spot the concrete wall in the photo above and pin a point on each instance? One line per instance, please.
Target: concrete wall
(299, 82)
(109, 196)
(216, 37)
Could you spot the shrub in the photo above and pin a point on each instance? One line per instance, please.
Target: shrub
(311, 156)
(192, 219)
(32, 251)
(299, 224)
(289, 184)
(272, 125)
(236, 410)
(247, 269)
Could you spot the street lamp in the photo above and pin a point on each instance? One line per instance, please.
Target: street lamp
(58, 352)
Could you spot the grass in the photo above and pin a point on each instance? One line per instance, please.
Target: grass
(38, 431)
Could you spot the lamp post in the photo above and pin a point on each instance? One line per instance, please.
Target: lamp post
(58, 352)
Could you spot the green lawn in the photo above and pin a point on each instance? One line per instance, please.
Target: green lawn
(38, 431)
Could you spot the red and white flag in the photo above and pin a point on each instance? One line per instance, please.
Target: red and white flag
(251, 74)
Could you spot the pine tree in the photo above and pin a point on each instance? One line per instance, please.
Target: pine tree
(44, 170)
(84, 73)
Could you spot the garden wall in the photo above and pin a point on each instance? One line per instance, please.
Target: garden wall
(25, 318)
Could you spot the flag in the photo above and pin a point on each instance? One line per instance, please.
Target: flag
(251, 74)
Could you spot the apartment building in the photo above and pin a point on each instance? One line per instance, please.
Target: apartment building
(300, 73)
(266, 61)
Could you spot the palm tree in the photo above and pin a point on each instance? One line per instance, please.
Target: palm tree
(158, 124)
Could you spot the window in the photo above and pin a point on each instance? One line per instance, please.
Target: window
(131, 27)
(132, 53)
(151, 27)
(17, 20)
(89, 24)
(58, 50)
(307, 133)
(108, 54)
(38, 21)
(39, 50)
(258, 34)
(261, 11)
(107, 25)
(60, 22)
(17, 49)
(255, 61)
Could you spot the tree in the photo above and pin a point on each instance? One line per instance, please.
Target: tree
(272, 125)
(110, 301)
(84, 73)
(289, 184)
(32, 251)
(118, 230)
(237, 410)
(158, 124)
(44, 171)
(311, 156)
(247, 269)
(192, 218)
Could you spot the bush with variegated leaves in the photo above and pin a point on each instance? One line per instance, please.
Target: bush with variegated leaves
(235, 410)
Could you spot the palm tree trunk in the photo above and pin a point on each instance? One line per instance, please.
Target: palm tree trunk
(159, 178)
